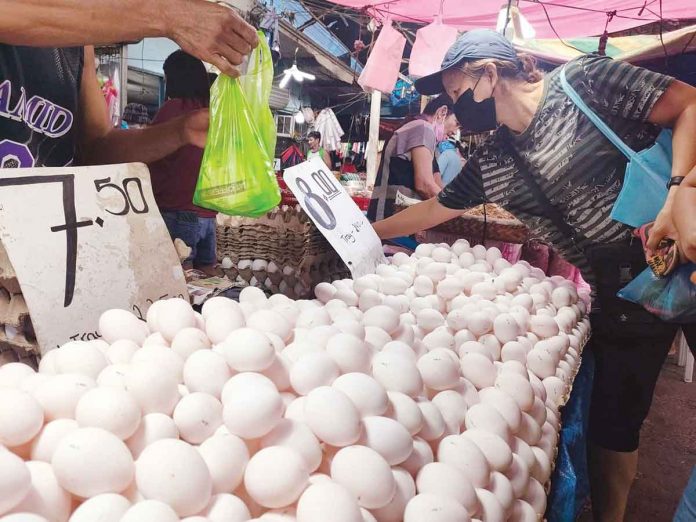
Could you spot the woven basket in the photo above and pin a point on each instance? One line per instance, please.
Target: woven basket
(497, 225)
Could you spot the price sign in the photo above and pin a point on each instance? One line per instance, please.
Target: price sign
(82, 241)
(336, 215)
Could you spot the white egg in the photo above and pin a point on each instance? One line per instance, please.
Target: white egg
(60, 394)
(368, 396)
(518, 475)
(121, 351)
(349, 353)
(312, 371)
(279, 372)
(251, 409)
(465, 455)
(541, 470)
(439, 478)
(544, 326)
(491, 509)
(536, 496)
(433, 422)
(530, 431)
(206, 371)
(429, 319)
(332, 416)
(328, 500)
(45, 496)
(155, 390)
(222, 321)
(388, 438)
(174, 472)
(298, 437)
(118, 324)
(486, 417)
(435, 508)
(91, 461)
(197, 416)
(226, 456)
(504, 404)
(397, 373)
(276, 476)
(452, 406)
(556, 389)
(405, 410)
(112, 409)
(376, 337)
(494, 448)
(492, 345)
(15, 480)
(394, 510)
(155, 339)
(518, 388)
(538, 411)
(478, 369)
(366, 474)
(523, 512)
(439, 369)
(153, 427)
(81, 358)
(247, 350)
(506, 328)
(541, 363)
(108, 507)
(150, 511)
(225, 507)
(189, 340)
(21, 417)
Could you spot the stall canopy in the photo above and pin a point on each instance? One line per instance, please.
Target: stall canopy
(548, 18)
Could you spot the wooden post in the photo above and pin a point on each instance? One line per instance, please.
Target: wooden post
(373, 140)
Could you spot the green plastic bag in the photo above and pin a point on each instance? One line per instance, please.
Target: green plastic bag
(237, 175)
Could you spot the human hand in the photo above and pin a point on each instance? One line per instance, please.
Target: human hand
(662, 229)
(212, 32)
(194, 128)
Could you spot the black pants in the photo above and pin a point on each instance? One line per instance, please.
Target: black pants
(630, 346)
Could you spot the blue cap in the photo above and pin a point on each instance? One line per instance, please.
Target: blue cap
(477, 44)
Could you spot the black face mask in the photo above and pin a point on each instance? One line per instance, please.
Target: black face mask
(475, 116)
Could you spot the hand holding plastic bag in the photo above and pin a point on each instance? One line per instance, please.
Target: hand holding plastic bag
(671, 298)
(237, 175)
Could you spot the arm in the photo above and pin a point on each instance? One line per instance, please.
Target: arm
(207, 30)
(424, 181)
(684, 215)
(676, 108)
(100, 143)
(419, 217)
(327, 159)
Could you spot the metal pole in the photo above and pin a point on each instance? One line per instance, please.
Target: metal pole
(373, 143)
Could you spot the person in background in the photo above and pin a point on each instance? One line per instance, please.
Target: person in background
(550, 166)
(316, 150)
(135, 116)
(408, 160)
(450, 160)
(44, 47)
(174, 177)
(348, 166)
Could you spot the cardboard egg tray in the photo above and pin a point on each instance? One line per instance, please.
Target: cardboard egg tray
(17, 338)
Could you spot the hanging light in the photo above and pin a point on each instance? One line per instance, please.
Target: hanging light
(517, 26)
(299, 117)
(295, 74)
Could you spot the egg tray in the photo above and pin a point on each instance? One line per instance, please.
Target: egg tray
(497, 225)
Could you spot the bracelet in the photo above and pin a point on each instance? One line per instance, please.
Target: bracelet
(675, 181)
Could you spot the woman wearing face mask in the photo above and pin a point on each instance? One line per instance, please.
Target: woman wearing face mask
(408, 162)
(549, 165)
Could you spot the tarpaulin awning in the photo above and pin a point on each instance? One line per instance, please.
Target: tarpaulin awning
(549, 18)
(636, 48)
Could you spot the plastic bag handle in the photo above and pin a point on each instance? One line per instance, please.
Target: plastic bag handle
(603, 127)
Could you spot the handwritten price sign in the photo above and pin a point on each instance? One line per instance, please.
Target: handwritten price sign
(336, 215)
(83, 240)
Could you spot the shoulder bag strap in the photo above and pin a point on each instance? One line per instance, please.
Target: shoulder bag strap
(594, 118)
(550, 209)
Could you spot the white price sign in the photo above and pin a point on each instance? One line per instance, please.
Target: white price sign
(336, 215)
(82, 241)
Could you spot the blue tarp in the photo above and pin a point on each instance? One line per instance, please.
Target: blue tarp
(570, 483)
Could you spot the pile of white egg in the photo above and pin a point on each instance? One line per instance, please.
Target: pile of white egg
(427, 392)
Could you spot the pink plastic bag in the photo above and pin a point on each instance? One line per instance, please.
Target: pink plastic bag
(382, 68)
(432, 42)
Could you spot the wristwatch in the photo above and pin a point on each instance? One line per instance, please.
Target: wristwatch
(675, 181)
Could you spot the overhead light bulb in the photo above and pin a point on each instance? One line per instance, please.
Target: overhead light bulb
(299, 118)
(516, 17)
